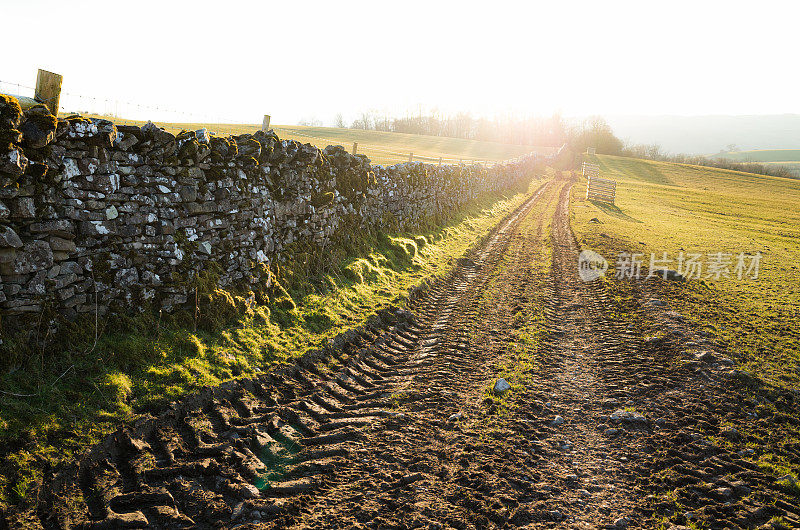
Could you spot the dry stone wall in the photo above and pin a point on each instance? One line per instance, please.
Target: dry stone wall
(97, 217)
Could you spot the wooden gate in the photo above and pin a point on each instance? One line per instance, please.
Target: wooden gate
(591, 170)
(598, 189)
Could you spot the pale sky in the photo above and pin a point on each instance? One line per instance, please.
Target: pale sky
(235, 61)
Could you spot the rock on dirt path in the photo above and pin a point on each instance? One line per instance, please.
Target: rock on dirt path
(397, 425)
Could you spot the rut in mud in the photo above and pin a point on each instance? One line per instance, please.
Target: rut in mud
(394, 424)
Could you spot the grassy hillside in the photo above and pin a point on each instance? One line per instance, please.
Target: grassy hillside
(381, 147)
(666, 207)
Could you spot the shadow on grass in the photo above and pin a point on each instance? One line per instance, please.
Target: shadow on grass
(614, 211)
(652, 173)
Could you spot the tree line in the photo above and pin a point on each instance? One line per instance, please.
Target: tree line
(539, 131)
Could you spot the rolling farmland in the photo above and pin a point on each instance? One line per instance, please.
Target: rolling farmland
(564, 292)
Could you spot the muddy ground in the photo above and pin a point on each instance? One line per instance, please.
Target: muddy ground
(620, 415)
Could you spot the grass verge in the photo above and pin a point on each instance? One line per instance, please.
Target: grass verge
(53, 406)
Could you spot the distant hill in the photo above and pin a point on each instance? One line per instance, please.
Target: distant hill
(788, 159)
(762, 155)
(710, 134)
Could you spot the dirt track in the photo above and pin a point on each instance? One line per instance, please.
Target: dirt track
(364, 433)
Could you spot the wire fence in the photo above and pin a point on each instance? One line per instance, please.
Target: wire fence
(132, 113)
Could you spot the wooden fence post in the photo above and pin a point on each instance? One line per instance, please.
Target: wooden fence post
(265, 123)
(355, 147)
(48, 89)
(410, 157)
(440, 161)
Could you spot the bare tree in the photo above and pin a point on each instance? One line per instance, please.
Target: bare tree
(310, 122)
(364, 121)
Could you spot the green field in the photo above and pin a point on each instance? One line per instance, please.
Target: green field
(381, 147)
(667, 207)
